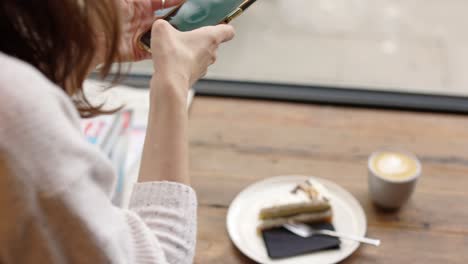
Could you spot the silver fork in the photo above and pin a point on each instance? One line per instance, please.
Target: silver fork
(306, 231)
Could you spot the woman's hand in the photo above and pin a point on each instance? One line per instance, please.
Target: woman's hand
(137, 17)
(185, 56)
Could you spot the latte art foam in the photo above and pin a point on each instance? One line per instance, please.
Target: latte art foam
(394, 166)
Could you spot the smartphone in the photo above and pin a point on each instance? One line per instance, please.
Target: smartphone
(193, 14)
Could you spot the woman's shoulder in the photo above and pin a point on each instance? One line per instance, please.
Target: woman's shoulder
(21, 81)
(40, 130)
(27, 94)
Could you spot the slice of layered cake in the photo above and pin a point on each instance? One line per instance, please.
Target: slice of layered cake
(305, 203)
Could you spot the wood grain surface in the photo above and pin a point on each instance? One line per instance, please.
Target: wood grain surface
(235, 143)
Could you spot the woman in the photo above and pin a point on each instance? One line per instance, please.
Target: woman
(54, 187)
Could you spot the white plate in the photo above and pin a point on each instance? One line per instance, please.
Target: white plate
(242, 220)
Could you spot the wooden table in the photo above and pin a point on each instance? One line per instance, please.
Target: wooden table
(237, 142)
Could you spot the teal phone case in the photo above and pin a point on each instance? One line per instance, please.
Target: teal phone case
(199, 13)
(195, 14)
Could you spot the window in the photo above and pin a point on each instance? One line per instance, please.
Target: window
(410, 47)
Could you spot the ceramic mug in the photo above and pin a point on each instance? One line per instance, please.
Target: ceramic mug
(393, 175)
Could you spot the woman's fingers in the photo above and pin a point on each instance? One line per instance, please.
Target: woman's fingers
(225, 33)
(158, 4)
(188, 53)
(220, 33)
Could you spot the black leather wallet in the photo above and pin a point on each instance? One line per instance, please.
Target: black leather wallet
(281, 243)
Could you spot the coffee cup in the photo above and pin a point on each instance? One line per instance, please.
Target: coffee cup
(393, 175)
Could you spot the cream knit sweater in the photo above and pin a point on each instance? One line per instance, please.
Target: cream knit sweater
(55, 188)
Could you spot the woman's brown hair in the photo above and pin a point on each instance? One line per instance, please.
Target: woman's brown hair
(61, 38)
